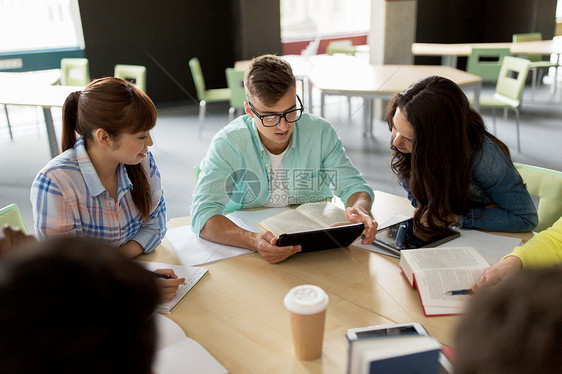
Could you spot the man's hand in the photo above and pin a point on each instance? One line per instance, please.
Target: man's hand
(264, 243)
(358, 215)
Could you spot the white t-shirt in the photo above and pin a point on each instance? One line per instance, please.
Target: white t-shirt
(279, 190)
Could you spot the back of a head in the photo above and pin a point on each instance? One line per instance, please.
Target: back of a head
(515, 327)
(268, 78)
(72, 305)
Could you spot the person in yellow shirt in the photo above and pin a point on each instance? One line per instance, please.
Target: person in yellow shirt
(544, 249)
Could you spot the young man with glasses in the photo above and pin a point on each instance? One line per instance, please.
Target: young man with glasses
(274, 156)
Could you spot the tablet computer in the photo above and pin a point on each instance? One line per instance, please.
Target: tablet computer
(401, 236)
(328, 238)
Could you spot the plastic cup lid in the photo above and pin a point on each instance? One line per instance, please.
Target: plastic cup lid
(306, 299)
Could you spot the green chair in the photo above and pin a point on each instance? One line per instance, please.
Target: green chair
(74, 72)
(341, 46)
(204, 95)
(509, 89)
(11, 216)
(136, 74)
(538, 66)
(235, 82)
(486, 62)
(547, 185)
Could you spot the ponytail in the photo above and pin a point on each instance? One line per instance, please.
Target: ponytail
(69, 120)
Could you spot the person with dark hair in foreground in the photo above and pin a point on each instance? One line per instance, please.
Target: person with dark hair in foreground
(74, 305)
(454, 171)
(515, 327)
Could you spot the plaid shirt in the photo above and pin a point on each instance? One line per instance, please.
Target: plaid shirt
(68, 198)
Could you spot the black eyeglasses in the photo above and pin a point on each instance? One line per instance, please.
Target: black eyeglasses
(271, 120)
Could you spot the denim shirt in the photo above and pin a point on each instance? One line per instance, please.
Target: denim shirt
(235, 173)
(494, 180)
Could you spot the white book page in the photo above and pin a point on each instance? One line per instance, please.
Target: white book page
(433, 285)
(192, 276)
(326, 214)
(289, 222)
(444, 258)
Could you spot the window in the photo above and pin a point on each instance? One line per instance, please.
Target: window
(39, 25)
(300, 18)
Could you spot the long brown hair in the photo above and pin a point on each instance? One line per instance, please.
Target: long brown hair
(117, 107)
(448, 136)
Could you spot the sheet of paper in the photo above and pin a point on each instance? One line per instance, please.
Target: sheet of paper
(193, 250)
(491, 247)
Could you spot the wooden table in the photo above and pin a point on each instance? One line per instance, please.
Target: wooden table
(18, 89)
(450, 52)
(237, 310)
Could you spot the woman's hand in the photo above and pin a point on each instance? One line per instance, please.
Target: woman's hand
(168, 287)
(496, 273)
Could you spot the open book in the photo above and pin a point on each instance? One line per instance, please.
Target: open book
(434, 271)
(311, 216)
(191, 274)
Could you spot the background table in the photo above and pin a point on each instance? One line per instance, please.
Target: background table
(450, 52)
(28, 90)
(237, 311)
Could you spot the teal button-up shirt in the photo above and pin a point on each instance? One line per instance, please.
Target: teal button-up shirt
(236, 172)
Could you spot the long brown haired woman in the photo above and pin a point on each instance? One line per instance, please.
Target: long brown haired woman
(105, 185)
(454, 171)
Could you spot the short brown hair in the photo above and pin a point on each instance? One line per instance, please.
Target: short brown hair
(268, 78)
(515, 327)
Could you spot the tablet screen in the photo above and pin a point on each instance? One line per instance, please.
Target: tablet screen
(401, 236)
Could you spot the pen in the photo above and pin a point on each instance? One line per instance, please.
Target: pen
(165, 276)
(460, 292)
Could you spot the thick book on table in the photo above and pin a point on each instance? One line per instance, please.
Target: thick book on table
(314, 226)
(305, 217)
(192, 275)
(434, 271)
(406, 354)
